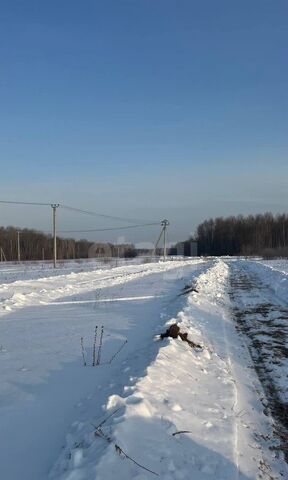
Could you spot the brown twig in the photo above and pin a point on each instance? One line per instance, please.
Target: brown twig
(100, 346)
(83, 352)
(99, 432)
(107, 418)
(118, 351)
(94, 346)
(120, 451)
(181, 431)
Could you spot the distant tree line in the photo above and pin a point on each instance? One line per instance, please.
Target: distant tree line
(263, 234)
(36, 245)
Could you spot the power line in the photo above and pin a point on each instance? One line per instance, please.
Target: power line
(74, 209)
(96, 214)
(54, 207)
(26, 203)
(109, 229)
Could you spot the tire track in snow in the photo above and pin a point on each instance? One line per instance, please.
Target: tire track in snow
(252, 451)
(258, 314)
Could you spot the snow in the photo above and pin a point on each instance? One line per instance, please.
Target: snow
(43, 381)
(260, 302)
(45, 289)
(280, 265)
(11, 271)
(203, 394)
(275, 279)
(152, 407)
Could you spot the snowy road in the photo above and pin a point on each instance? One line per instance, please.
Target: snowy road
(261, 314)
(176, 412)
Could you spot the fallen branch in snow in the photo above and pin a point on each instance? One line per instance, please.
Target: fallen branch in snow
(188, 289)
(174, 332)
(105, 419)
(181, 431)
(121, 452)
(83, 352)
(118, 351)
(99, 433)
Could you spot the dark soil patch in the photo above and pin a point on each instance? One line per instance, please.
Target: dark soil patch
(174, 332)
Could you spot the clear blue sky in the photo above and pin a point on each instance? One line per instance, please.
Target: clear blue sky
(144, 108)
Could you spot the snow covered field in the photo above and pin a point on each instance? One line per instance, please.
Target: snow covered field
(11, 272)
(281, 265)
(151, 407)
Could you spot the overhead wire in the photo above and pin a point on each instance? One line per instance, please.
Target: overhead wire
(26, 203)
(135, 223)
(96, 214)
(75, 209)
(108, 229)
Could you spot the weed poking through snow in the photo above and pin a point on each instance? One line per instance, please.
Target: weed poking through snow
(94, 346)
(97, 361)
(100, 346)
(83, 352)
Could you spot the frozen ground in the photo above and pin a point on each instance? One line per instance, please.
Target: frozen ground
(155, 408)
(259, 299)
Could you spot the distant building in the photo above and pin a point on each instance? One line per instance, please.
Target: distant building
(100, 250)
(180, 248)
(107, 250)
(193, 248)
(189, 248)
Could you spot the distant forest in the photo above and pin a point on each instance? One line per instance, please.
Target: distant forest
(36, 245)
(265, 235)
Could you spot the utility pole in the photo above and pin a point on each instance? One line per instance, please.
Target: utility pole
(2, 255)
(54, 207)
(157, 243)
(18, 246)
(164, 224)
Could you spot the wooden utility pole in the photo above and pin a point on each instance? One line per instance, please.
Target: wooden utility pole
(54, 208)
(164, 224)
(157, 243)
